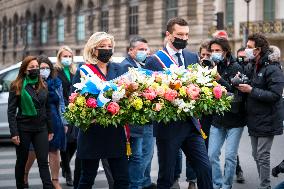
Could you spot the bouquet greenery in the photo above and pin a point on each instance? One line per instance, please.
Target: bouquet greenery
(142, 96)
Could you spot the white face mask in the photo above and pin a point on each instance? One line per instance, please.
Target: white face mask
(45, 73)
(66, 61)
(249, 53)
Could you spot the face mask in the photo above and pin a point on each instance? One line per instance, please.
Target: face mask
(104, 55)
(33, 73)
(217, 57)
(249, 54)
(45, 73)
(66, 62)
(241, 60)
(141, 56)
(179, 43)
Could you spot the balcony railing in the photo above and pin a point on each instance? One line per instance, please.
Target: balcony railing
(265, 27)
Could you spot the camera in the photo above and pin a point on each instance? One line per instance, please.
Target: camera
(207, 62)
(241, 79)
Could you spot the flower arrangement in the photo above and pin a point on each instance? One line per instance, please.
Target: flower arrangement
(141, 96)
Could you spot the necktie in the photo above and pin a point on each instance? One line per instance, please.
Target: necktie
(179, 59)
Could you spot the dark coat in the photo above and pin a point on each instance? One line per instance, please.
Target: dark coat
(174, 128)
(99, 142)
(66, 85)
(264, 103)
(19, 122)
(135, 130)
(236, 117)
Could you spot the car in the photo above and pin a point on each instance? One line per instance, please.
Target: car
(8, 75)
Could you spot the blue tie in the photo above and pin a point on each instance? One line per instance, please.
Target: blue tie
(179, 59)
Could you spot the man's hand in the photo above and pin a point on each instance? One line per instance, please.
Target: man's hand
(245, 88)
(218, 77)
(16, 140)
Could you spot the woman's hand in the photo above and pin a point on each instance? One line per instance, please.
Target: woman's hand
(65, 129)
(50, 136)
(16, 140)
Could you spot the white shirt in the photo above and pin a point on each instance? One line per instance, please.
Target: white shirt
(172, 53)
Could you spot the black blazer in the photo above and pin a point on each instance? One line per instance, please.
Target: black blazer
(66, 85)
(174, 128)
(99, 142)
(19, 122)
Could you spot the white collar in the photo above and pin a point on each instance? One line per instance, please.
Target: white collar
(172, 51)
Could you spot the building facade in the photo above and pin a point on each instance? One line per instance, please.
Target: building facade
(265, 16)
(38, 26)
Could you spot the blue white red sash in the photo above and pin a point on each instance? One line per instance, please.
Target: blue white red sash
(164, 59)
(91, 70)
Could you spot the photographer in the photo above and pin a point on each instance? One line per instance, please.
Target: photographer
(264, 104)
(229, 126)
(204, 55)
(275, 171)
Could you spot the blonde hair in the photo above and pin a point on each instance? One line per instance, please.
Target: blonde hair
(92, 43)
(58, 65)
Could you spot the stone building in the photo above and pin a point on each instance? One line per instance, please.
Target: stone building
(265, 16)
(40, 26)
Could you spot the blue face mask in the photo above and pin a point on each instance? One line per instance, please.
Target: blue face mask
(141, 56)
(66, 62)
(217, 57)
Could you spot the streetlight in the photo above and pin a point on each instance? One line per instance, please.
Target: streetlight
(247, 25)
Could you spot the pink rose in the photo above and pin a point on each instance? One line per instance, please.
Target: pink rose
(113, 108)
(91, 103)
(193, 91)
(149, 94)
(123, 81)
(157, 107)
(170, 95)
(133, 86)
(160, 91)
(217, 91)
(72, 97)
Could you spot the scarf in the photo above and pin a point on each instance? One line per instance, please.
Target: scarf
(27, 104)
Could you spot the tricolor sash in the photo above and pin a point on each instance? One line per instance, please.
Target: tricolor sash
(164, 59)
(91, 70)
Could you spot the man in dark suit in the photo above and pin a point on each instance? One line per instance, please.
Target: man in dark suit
(179, 134)
(141, 137)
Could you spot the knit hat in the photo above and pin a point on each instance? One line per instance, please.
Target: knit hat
(220, 34)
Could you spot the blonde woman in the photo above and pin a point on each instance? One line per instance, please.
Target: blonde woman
(99, 142)
(66, 69)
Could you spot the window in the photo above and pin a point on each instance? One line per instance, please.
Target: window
(4, 42)
(80, 24)
(0, 31)
(104, 21)
(171, 9)
(29, 33)
(229, 12)
(268, 10)
(10, 29)
(8, 78)
(15, 34)
(133, 20)
(34, 25)
(150, 12)
(43, 33)
(69, 20)
(116, 13)
(91, 16)
(60, 29)
(192, 9)
(50, 22)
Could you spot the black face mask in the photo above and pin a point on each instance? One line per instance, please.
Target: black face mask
(33, 73)
(179, 43)
(104, 55)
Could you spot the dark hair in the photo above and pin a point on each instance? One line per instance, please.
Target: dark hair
(241, 49)
(204, 45)
(173, 21)
(136, 39)
(16, 85)
(224, 43)
(44, 59)
(260, 42)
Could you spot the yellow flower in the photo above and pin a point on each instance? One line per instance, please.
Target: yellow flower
(206, 91)
(80, 101)
(137, 103)
(215, 83)
(71, 105)
(155, 85)
(165, 86)
(182, 91)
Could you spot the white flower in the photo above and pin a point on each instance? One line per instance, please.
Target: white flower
(117, 95)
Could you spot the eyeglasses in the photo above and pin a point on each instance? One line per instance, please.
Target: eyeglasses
(44, 68)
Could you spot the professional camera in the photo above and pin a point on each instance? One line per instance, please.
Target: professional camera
(278, 169)
(207, 62)
(241, 79)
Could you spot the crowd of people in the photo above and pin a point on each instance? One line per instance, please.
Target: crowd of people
(40, 93)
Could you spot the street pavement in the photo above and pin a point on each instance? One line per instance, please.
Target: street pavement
(8, 158)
